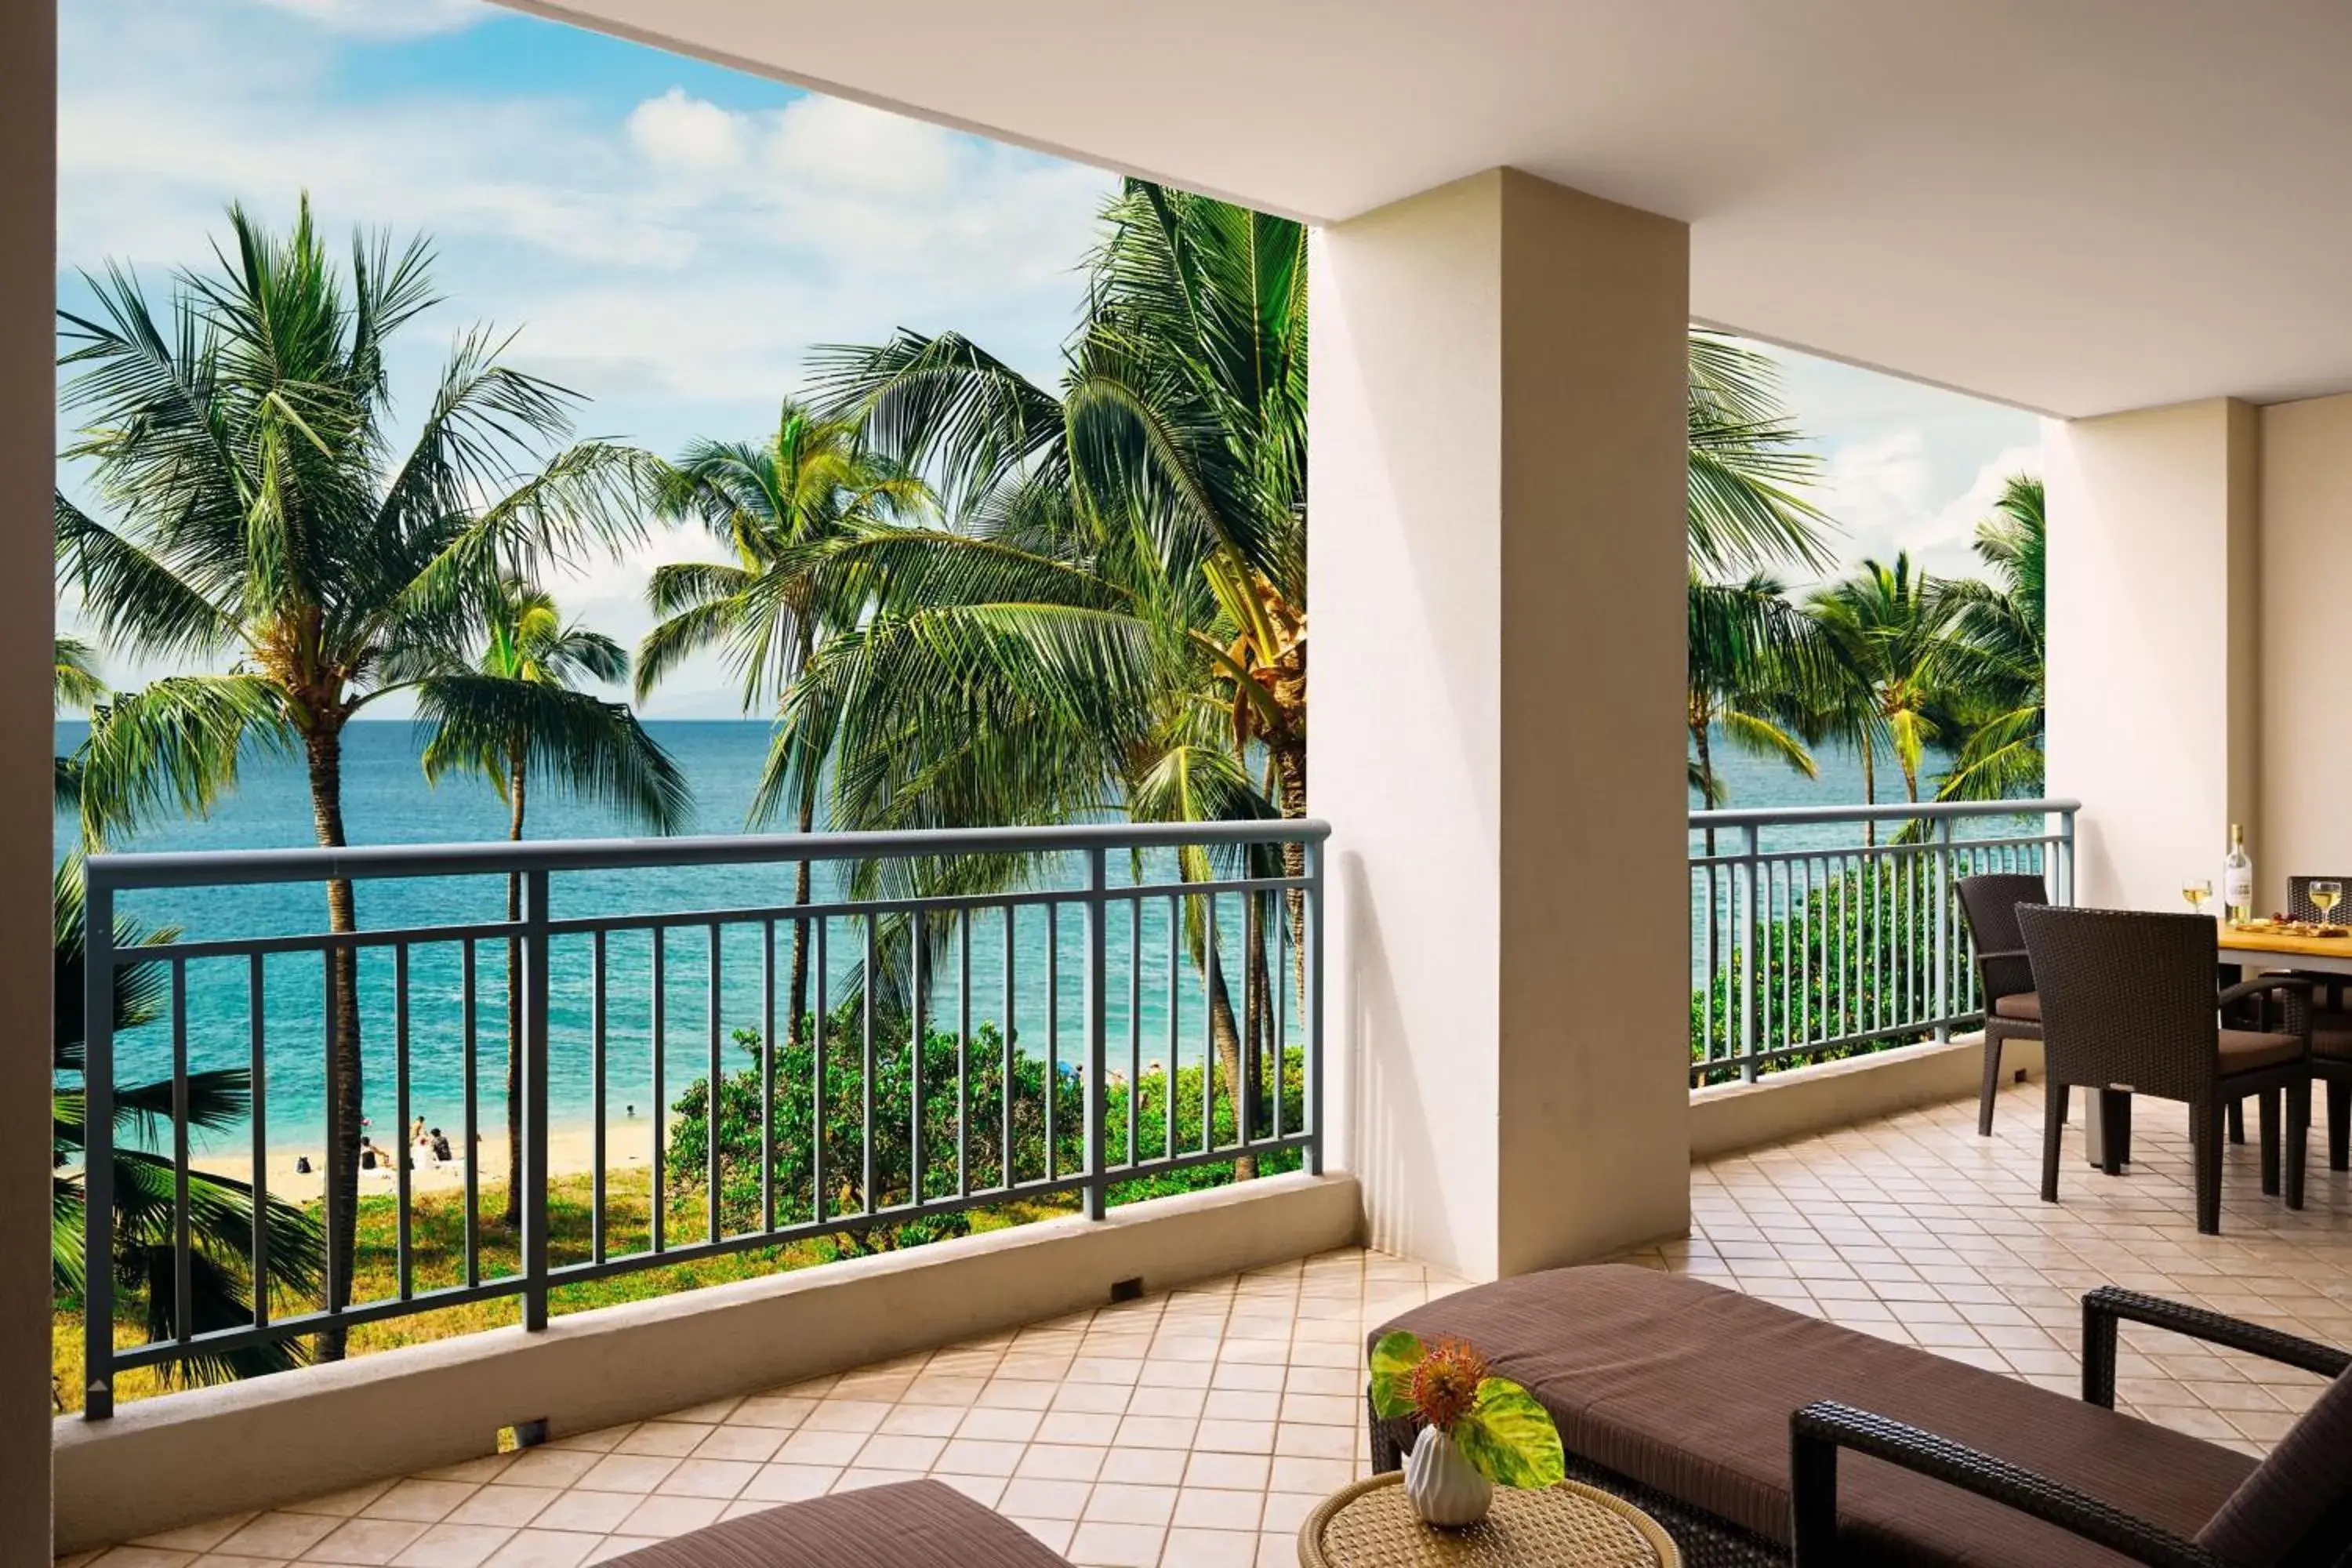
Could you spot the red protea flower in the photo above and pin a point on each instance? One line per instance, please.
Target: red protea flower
(1445, 1382)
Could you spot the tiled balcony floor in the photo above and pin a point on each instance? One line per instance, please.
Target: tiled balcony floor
(1199, 1428)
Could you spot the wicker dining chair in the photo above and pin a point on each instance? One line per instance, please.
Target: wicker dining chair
(2129, 1006)
(2331, 1064)
(2012, 1010)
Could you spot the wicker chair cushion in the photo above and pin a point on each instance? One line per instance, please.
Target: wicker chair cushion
(2305, 1484)
(1688, 1388)
(913, 1524)
(2243, 1050)
(2025, 1006)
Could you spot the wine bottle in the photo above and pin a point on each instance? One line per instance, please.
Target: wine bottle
(2238, 876)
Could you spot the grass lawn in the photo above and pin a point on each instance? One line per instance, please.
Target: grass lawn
(438, 1242)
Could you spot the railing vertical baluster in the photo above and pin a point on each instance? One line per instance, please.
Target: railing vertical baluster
(661, 1109)
(817, 1124)
(1209, 981)
(337, 1289)
(1167, 1082)
(1098, 1051)
(1253, 949)
(768, 1076)
(534, 1002)
(469, 1010)
(1281, 1009)
(403, 1151)
(2064, 892)
(1708, 976)
(98, 1148)
(712, 1141)
(1053, 1041)
(1004, 1084)
(1744, 958)
(915, 987)
(598, 1108)
(963, 1054)
(865, 1014)
(183, 1260)
(1943, 1002)
(1314, 1020)
(257, 1071)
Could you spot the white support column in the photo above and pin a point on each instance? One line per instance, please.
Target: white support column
(1499, 477)
(27, 471)
(2154, 686)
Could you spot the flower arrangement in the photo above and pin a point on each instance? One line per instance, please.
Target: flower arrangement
(1472, 1421)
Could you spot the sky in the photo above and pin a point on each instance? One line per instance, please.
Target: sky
(668, 238)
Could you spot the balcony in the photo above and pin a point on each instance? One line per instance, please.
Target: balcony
(1070, 1022)
(1198, 1425)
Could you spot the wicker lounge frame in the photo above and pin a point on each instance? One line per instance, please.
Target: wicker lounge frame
(1965, 1466)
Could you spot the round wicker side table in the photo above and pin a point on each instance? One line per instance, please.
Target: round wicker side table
(1370, 1525)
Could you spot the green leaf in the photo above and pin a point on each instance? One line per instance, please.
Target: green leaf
(1510, 1439)
(1393, 1359)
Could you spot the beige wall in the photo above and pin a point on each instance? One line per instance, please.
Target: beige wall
(27, 426)
(2154, 666)
(2304, 613)
(1497, 464)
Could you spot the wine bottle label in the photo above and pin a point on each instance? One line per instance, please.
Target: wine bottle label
(2239, 888)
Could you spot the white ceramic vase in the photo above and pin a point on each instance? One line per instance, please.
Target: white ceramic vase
(1441, 1484)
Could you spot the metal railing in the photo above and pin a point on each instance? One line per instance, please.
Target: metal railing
(1821, 931)
(1007, 1088)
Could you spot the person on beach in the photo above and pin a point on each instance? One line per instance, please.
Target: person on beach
(420, 1148)
(441, 1146)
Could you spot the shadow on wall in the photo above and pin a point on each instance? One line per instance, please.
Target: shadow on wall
(1393, 1150)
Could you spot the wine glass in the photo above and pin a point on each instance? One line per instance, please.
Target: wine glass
(2197, 892)
(2324, 897)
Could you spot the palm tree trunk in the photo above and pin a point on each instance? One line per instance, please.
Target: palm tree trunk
(512, 1214)
(1705, 774)
(1224, 1034)
(794, 1026)
(323, 752)
(1869, 786)
(1289, 754)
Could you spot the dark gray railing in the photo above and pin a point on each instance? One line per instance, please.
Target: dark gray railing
(1816, 930)
(1251, 906)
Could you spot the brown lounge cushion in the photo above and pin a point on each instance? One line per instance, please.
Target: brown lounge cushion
(2243, 1050)
(1688, 1388)
(911, 1524)
(2024, 1007)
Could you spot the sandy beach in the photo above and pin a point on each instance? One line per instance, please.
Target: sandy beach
(570, 1152)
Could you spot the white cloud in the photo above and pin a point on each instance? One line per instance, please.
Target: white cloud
(384, 18)
(689, 132)
(670, 258)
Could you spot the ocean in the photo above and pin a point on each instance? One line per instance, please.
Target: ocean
(387, 800)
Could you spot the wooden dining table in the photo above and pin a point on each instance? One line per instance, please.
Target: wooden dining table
(2253, 950)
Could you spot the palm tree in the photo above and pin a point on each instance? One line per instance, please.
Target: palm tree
(774, 506)
(1884, 632)
(243, 433)
(1748, 460)
(1997, 652)
(519, 709)
(1750, 652)
(92, 782)
(220, 1209)
(1117, 620)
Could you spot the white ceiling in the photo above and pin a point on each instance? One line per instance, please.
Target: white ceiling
(2076, 205)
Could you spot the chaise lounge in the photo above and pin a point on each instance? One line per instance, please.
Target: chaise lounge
(1757, 1435)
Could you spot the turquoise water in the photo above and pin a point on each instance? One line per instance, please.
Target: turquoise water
(387, 801)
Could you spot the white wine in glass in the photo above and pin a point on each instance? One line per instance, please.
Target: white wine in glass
(2324, 897)
(2197, 893)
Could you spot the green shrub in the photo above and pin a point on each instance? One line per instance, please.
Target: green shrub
(740, 1134)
